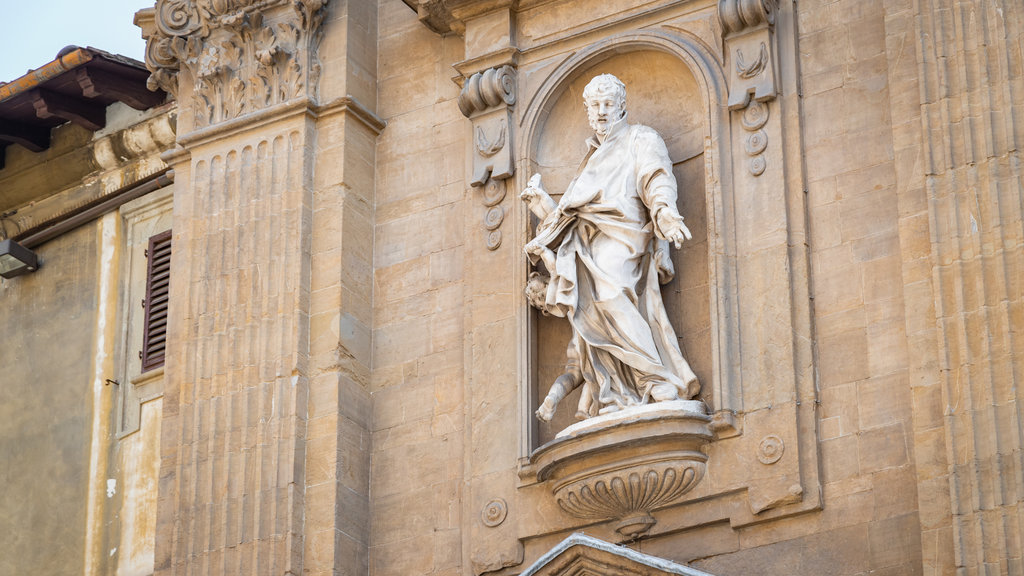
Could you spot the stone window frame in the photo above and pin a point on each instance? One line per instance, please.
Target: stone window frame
(141, 219)
(750, 410)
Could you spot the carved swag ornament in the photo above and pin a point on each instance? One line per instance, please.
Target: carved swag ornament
(242, 55)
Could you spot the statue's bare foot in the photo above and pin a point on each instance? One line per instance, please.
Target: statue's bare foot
(546, 410)
(664, 392)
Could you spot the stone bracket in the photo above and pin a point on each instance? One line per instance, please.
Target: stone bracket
(624, 465)
(748, 27)
(486, 99)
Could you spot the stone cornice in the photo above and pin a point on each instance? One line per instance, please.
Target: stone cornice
(444, 16)
(302, 105)
(358, 110)
(467, 68)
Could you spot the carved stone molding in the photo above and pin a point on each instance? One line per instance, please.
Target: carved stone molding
(486, 99)
(754, 118)
(241, 55)
(748, 27)
(580, 554)
(444, 16)
(642, 459)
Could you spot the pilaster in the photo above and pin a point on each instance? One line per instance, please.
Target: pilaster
(960, 179)
(265, 452)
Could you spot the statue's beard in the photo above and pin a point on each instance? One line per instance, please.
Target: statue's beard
(603, 128)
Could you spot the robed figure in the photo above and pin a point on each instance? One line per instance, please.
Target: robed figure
(605, 246)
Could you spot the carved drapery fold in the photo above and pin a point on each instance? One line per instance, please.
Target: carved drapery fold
(241, 55)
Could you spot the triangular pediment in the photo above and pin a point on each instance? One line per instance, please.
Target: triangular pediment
(582, 555)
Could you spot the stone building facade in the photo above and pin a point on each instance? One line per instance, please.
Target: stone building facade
(351, 368)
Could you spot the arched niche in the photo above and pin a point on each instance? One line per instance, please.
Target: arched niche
(672, 88)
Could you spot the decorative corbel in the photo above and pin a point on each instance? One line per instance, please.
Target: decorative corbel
(486, 99)
(748, 29)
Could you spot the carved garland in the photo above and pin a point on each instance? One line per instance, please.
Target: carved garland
(243, 55)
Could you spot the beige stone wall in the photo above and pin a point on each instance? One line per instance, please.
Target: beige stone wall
(419, 347)
(863, 424)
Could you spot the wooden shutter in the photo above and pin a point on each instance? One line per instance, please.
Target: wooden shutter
(158, 282)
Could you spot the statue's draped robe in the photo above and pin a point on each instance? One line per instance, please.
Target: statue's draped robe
(604, 234)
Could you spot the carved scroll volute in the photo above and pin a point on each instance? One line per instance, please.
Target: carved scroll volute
(748, 27)
(486, 99)
(242, 55)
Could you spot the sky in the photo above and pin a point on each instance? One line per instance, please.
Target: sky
(32, 33)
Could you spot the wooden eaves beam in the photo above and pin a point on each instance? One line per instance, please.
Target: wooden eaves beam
(35, 138)
(95, 82)
(86, 114)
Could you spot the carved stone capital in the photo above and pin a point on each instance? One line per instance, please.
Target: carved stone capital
(240, 55)
(748, 26)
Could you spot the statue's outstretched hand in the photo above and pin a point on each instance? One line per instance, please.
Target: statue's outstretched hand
(671, 225)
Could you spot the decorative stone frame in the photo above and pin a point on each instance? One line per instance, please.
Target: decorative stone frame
(763, 396)
(141, 218)
(717, 178)
(762, 461)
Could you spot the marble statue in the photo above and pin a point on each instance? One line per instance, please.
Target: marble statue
(605, 248)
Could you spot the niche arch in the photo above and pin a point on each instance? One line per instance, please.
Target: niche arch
(675, 85)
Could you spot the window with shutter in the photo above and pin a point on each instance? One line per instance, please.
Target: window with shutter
(158, 281)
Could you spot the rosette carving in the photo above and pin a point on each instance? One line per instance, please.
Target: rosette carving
(753, 119)
(241, 55)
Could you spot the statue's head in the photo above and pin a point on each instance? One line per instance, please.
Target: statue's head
(605, 99)
(537, 291)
